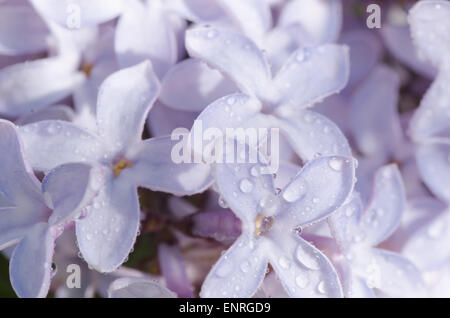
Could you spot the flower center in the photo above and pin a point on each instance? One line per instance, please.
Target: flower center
(263, 224)
(86, 68)
(119, 166)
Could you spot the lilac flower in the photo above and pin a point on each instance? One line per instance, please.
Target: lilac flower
(359, 231)
(283, 99)
(30, 86)
(107, 233)
(34, 216)
(270, 227)
(430, 129)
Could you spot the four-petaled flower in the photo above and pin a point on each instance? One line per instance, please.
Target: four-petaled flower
(271, 224)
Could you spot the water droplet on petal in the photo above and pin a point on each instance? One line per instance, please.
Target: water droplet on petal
(254, 171)
(245, 267)
(307, 258)
(246, 186)
(321, 287)
(336, 164)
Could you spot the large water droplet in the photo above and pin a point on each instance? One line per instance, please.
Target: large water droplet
(246, 186)
(336, 164)
(307, 258)
(321, 287)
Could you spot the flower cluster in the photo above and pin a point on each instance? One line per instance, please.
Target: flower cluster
(225, 148)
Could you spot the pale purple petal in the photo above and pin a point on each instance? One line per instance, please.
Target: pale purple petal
(374, 117)
(221, 225)
(385, 209)
(429, 29)
(344, 223)
(191, 85)
(428, 246)
(124, 100)
(107, 233)
(22, 31)
(234, 55)
(174, 270)
(397, 39)
(244, 187)
(197, 10)
(313, 73)
(49, 144)
(144, 32)
(365, 52)
(322, 19)
(303, 270)
(310, 198)
(163, 120)
(70, 188)
(57, 112)
(30, 86)
(253, 17)
(228, 112)
(31, 262)
(311, 134)
(238, 273)
(433, 163)
(432, 118)
(22, 202)
(153, 167)
(390, 273)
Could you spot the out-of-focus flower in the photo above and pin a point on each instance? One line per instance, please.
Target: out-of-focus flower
(33, 217)
(364, 267)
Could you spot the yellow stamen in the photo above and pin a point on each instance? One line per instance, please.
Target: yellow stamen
(263, 224)
(87, 69)
(122, 164)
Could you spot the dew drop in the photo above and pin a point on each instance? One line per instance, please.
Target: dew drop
(321, 287)
(336, 164)
(246, 186)
(231, 100)
(254, 171)
(309, 260)
(245, 267)
(222, 203)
